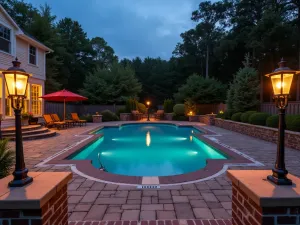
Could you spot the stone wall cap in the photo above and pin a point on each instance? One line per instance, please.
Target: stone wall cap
(34, 195)
(254, 183)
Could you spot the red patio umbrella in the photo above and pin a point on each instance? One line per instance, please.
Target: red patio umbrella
(64, 96)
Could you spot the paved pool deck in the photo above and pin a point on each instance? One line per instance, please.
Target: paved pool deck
(208, 200)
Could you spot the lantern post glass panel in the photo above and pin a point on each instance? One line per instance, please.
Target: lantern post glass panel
(282, 83)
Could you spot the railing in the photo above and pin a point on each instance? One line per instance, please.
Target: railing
(292, 109)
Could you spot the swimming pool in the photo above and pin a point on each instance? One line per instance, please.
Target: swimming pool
(148, 150)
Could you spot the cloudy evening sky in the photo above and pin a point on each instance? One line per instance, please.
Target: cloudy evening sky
(132, 27)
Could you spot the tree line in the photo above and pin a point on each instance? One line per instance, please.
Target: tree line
(214, 49)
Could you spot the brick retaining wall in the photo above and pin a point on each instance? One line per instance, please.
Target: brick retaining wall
(292, 139)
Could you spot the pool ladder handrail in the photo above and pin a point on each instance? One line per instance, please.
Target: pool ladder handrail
(102, 168)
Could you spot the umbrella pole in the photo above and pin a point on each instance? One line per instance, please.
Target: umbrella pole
(64, 109)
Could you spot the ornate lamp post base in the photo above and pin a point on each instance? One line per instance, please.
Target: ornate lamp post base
(281, 180)
(21, 178)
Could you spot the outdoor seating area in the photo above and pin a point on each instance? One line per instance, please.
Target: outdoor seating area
(53, 120)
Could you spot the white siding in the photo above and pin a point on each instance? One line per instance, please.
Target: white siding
(6, 58)
(37, 71)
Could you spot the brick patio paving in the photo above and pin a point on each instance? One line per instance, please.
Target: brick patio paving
(209, 200)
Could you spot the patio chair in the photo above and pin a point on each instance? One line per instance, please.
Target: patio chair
(49, 122)
(56, 118)
(159, 115)
(77, 120)
(136, 115)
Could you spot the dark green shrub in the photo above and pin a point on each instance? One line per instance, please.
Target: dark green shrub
(259, 118)
(87, 117)
(293, 122)
(141, 108)
(131, 104)
(121, 110)
(180, 117)
(236, 117)
(6, 158)
(168, 106)
(220, 115)
(227, 115)
(246, 115)
(178, 109)
(273, 121)
(108, 115)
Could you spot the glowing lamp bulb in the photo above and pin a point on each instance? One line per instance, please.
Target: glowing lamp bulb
(18, 85)
(279, 84)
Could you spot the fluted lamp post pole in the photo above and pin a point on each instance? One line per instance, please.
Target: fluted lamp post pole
(281, 79)
(16, 80)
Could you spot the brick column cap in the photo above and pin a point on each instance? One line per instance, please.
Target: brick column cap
(255, 185)
(34, 195)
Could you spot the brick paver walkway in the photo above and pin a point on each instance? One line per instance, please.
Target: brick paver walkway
(94, 201)
(156, 222)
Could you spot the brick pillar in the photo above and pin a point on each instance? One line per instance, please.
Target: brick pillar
(42, 202)
(210, 119)
(256, 201)
(97, 118)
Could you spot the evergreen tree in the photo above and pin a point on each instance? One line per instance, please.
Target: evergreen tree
(243, 92)
(201, 91)
(114, 85)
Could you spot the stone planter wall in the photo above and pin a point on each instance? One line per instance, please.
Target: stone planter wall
(125, 116)
(292, 139)
(194, 118)
(168, 116)
(208, 119)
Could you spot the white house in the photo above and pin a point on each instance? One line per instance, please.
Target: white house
(32, 55)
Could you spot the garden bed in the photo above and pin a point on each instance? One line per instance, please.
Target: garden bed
(292, 139)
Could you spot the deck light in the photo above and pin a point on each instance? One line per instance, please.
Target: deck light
(281, 79)
(16, 80)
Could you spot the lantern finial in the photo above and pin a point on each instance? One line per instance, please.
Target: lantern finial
(282, 63)
(16, 66)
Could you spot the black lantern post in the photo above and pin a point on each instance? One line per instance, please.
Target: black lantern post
(281, 79)
(16, 80)
(148, 106)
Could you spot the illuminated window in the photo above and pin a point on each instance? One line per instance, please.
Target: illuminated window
(36, 102)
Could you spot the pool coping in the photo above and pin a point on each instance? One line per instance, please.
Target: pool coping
(212, 168)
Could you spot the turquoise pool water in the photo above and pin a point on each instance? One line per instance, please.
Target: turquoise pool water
(149, 150)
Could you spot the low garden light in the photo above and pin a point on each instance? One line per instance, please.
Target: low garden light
(148, 103)
(16, 80)
(281, 79)
(190, 113)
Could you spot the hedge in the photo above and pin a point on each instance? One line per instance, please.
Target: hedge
(108, 115)
(273, 121)
(236, 117)
(293, 122)
(258, 119)
(179, 109)
(246, 115)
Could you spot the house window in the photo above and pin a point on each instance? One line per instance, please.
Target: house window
(36, 102)
(32, 55)
(4, 39)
